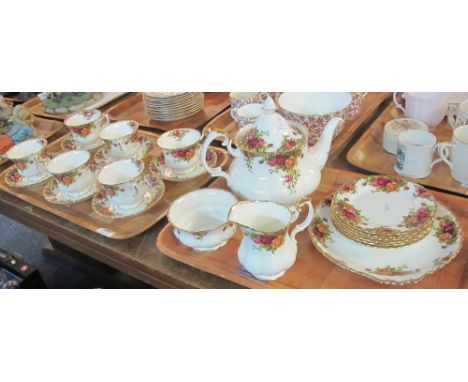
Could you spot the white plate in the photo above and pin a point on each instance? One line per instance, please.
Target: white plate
(389, 265)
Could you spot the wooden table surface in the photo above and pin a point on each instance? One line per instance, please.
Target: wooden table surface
(137, 256)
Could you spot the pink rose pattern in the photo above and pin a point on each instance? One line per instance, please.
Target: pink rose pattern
(447, 230)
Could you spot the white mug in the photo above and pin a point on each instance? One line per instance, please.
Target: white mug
(458, 115)
(458, 150)
(415, 152)
(429, 108)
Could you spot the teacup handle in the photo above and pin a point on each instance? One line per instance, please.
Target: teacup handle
(302, 226)
(444, 152)
(398, 104)
(436, 147)
(452, 112)
(105, 120)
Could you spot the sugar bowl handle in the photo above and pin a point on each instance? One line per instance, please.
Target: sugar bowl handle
(302, 226)
(398, 104)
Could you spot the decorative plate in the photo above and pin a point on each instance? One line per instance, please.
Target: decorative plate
(69, 143)
(103, 206)
(13, 178)
(145, 145)
(158, 167)
(384, 203)
(389, 265)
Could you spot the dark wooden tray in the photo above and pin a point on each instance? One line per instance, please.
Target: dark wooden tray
(83, 215)
(311, 269)
(368, 153)
(133, 108)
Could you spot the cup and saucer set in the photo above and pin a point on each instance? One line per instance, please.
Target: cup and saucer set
(179, 160)
(30, 159)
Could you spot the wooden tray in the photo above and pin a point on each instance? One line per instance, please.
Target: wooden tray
(133, 108)
(15, 99)
(369, 154)
(83, 215)
(226, 124)
(108, 100)
(46, 128)
(311, 269)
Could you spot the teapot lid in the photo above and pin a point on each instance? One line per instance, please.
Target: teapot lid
(270, 133)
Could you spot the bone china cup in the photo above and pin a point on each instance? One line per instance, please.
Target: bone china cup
(458, 158)
(239, 99)
(249, 113)
(72, 172)
(122, 181)
(85, 126)
(27, 157)
(415, 153)
(181, 148)
(458, 115)
(200, 218)
(121, 138)
(314, 110)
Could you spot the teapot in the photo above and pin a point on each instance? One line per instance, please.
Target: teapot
(272, 161)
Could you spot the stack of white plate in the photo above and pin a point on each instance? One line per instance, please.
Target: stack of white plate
(172, 106)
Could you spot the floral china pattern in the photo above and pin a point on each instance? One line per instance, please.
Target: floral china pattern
(321, 230)
(392, 271)
(81, 131)
(386, 184)
(68, 178)
(268, 242)
(446, 230)
(177, 134)
(103, 155)
(418, 217)
(13, 176)
(183, 154)
(347, 211)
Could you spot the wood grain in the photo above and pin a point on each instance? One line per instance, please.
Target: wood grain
(311, 269)
(369, 154)
(133, 108)
(226, 124)
(83, 215)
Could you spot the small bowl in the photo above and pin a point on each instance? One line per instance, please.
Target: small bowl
(314, 110)
(200, 218)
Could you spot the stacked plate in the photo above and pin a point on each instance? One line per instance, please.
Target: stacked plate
(377, 227)
(165, 106)
(383, 211)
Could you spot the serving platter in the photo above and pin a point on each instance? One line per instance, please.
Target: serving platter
(106, 101)
(83, 215)
(44, 128)
(133, 108)
(312, 269)
(368, 153)
(226, 124)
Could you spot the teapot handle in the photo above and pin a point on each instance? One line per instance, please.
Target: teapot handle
(302, 226)
(217, 171)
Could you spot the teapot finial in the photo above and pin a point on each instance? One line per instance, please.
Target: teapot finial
(269, 106)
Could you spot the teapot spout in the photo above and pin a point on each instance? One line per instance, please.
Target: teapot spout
(319, 152)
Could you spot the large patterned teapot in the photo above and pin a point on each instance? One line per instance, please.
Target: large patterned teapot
(272, 161)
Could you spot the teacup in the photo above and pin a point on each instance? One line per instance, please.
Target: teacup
(85, 126)
(121, 138)
(249, 113)
(181, 148)
(27, 156)
(429, 108)
(72, 171)
(395, 127)
(239, 99)
(415, 153)
(455, 154)
(200, 218)
(122, 180)
(458, 115)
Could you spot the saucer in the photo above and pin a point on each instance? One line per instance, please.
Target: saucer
(103, 206)
(145, 145)
(53, 194)
(14, 179)
(69, 143)
(396, 266)
(158, 167)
